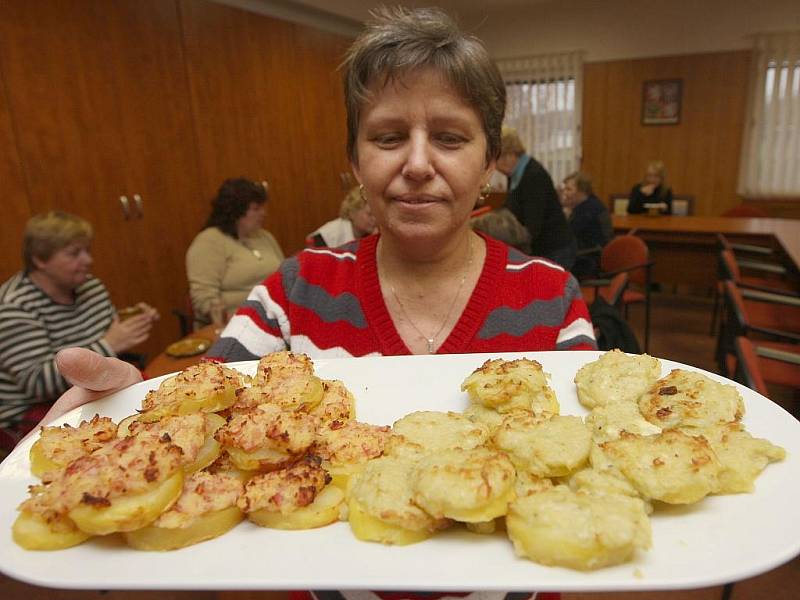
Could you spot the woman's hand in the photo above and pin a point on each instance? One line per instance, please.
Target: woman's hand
(122, 335)
(92, 377)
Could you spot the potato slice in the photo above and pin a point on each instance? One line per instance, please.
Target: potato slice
(128, 513)
(371, 529)
(263, 459)
(32, 532)
(204, 528)
(324, 510)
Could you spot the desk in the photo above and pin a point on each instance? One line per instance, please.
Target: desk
(163, 363)
(685, 248)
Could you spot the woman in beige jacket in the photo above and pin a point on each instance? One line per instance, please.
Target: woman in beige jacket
(232, 253)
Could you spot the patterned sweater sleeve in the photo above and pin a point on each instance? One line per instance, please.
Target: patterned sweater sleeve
(27, 354)
(262, 324)
(576, 331)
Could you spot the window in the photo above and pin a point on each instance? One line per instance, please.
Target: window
(771, 149)
(543, 105)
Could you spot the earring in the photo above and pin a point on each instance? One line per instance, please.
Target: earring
(362, 191)
(485, 191)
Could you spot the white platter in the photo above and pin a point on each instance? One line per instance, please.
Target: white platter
(718, 540)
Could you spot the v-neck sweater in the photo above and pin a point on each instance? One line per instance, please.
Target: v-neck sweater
(327, 302)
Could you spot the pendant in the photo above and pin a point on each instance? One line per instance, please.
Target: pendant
(430, 345)
(257, 254)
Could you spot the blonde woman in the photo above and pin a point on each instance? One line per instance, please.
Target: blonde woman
(653, 189)
(355, 221)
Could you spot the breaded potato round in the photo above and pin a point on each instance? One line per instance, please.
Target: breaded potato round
(59, 446)
(205, 509)
(285, 379)
(609, 421)
(509, 385)
(267, 438)
(440, 431)
(741, 456)
(478, 413)
(205, 387)
(580, 531)
(671, 467)
(470, 486)
(295, 498)
(337, 404)
(690, 399)
(383, 492)
(35, 531)
(345, 447)
(546, 448)
(193, 434)
(616, 377)
(605, 483)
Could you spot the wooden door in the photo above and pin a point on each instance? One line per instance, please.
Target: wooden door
(99, 98)
(14, 194)
(267, 104)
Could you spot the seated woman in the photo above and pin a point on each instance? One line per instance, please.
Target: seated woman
(589, 220)
(354, 222)
(55, 303)
(652, 190)
(534, 201)
(232, 253)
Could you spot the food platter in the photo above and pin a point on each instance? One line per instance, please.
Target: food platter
(721, 539)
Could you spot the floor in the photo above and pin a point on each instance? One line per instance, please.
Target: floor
(679, 331)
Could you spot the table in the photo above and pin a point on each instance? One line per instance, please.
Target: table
(685, 248)
(163, 363)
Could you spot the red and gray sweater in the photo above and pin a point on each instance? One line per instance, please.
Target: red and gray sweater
(327, 302)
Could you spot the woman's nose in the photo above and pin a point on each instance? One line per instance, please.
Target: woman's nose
(418, 165)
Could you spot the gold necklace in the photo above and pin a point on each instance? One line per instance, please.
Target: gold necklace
(430, 340)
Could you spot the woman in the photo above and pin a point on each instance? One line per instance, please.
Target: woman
(652, 190)
(55, 303)
(424, 110)
(232, 253)
(534, 202)
(355, 221)
(589, 221)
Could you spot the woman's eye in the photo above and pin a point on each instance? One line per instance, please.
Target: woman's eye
(450, 140)
(388, 140)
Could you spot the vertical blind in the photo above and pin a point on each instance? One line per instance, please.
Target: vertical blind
(544, 106)
(771, 150)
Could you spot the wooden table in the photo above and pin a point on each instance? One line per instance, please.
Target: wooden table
(163, 363)
(685, 248)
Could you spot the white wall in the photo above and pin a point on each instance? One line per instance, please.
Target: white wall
(620, 29)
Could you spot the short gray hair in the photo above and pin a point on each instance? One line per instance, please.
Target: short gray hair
(48, 233)
(398, 40)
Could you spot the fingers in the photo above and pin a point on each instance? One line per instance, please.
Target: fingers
(89, 370)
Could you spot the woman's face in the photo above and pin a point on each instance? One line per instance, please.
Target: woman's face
(252, 220)
(68, 267)
(652, 177)
(421, 157)
(363, 221)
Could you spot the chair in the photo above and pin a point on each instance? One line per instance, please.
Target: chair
(188, 321)
(618, 203)
(682, 205)
(627, 254)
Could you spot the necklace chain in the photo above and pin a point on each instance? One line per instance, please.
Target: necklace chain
(430, 340)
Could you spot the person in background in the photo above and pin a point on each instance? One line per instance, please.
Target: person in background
(232, 253)
(534, 201)
(55, 303)
(354, 222)
(652, 190)
(589, 221)
(502, 225)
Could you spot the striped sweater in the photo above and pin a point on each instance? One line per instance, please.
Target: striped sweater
(33, 328)
(328, 303)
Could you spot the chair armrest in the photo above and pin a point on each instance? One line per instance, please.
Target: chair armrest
(590, 251)
(775, 354)
(768, 290)
(594, 282)
(609, 274)
(777, 335)
(752, 248)
(770, 297)
(761, 266)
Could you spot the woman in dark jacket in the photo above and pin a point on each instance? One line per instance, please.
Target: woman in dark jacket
(652, 190)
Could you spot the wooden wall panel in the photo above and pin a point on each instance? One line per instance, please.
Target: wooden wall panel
(701, 152)
(99, 96)
(267, 105)
(14, 193)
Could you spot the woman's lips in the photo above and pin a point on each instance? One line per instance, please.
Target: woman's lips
(416, 199)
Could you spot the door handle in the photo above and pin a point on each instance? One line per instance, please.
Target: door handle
(126, 207)
(137, 199)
